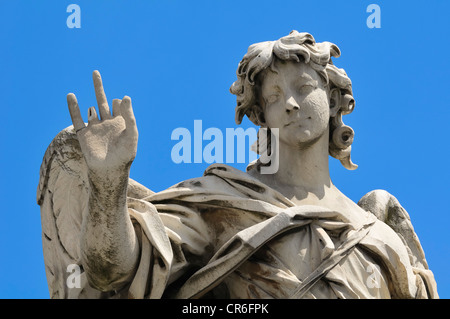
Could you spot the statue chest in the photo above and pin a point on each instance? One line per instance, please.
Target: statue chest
(278, 268)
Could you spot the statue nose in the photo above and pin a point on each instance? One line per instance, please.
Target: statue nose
(291, 104)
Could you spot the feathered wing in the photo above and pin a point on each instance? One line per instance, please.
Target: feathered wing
(387, 209)
(62, 194)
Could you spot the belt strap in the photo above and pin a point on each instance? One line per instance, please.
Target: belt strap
(329, 263)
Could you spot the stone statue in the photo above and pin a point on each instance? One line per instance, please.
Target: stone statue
(229, 234)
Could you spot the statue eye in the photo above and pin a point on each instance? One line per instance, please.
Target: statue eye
(272, 98)
(307, 88)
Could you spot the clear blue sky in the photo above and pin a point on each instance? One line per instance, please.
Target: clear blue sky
(177, 60)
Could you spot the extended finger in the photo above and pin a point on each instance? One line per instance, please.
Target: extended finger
(127, 113)
(116, 107)
(74, 111)
(102, 103)
(92, 115)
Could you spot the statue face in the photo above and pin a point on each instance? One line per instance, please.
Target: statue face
(295, 100)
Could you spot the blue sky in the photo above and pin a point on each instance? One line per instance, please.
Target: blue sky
(177, 60)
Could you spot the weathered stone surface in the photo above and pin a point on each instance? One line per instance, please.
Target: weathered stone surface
(289, 233)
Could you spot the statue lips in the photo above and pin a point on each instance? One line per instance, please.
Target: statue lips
(297, 121)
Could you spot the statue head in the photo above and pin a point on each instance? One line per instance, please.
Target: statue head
(297, 53)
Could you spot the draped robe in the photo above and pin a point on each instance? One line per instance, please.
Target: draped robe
(227, 235)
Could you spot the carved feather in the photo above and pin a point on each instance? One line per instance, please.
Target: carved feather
(387, 209)
(63, 196)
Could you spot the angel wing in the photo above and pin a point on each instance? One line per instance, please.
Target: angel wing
(387, 209)
(62, 194)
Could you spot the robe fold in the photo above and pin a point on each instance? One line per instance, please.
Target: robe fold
(227, 235)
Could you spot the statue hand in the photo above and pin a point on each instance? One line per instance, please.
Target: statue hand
(109, 144)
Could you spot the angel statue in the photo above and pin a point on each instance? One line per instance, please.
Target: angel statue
(229, 234)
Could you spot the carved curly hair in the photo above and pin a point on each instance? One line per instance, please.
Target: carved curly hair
(297, 47)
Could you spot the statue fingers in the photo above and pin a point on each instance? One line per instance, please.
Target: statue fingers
(116, 107)
(126, 111)
(74, 111)
(102, 102)
(92, 115)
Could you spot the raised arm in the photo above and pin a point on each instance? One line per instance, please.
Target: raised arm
(109, 247)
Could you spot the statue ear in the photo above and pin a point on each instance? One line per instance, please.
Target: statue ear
(335, 101)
